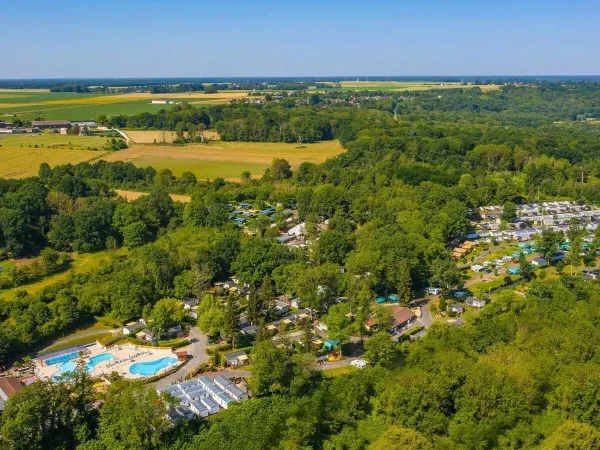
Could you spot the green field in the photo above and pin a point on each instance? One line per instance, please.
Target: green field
(20, 158)
(82, 262)
(224, 159)
(30, 105)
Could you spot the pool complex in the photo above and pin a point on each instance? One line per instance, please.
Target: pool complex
(70, 366)
(62, 358)
(151, 367)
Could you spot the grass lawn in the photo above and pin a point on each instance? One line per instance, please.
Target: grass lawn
(332, 373)
(20, 158)
(82, 262)
(224, 159)
(76, 341)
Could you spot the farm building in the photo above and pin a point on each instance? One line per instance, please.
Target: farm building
(50, 124)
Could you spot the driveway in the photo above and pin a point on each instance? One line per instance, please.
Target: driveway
(197, 352)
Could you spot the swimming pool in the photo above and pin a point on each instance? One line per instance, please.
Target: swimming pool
(62, 358)
(97, 359)
(151, 367)
(70, 366)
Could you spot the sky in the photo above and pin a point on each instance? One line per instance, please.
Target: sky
(254, 38)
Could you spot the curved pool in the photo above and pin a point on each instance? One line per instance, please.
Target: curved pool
(151, 367)
(70, 366)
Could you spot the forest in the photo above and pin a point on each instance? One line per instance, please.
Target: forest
(522, 374)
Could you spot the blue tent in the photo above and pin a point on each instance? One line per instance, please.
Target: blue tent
(393, 298)
(330, 344)
(380, 300)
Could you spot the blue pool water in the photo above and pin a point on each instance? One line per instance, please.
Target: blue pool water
(97, 359)
(152, 367)
(62, 358)
(70, 366)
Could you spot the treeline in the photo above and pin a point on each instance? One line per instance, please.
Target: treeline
(504, 380)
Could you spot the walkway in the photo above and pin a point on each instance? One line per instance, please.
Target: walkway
(196, 350)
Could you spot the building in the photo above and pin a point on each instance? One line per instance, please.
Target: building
(132, 326)
(539, 261)
(50, 124)
(281, 308)
(8, 387)
(296, 303)
(401, 318)
(236, 359)
(475, 302)
(144, 335)
(457, 308)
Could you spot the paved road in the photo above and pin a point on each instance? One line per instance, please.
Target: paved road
(196, 350)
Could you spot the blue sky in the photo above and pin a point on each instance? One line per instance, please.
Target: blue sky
(159, 38)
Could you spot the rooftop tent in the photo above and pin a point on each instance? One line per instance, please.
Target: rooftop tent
(380, 299)
(393, 298)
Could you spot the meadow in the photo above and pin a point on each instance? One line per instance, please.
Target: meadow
(81, 263)
(224, 159)
(22, 154)
(398, 86)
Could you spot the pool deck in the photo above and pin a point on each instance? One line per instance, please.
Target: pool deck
(125, 355)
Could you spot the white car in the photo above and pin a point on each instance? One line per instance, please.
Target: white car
(360, 363)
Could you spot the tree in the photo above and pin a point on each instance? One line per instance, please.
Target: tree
(332, 247)
(525, 267)
(254, 308)
(267, 295)
(509, 212)
(280, 169)
(231, 320)
(404, 286)
(50, 415)
(272, 369)
(401, 438)
(134, 417)
(246, 176)
(166, 313)
(135, 234)
(380, 349)
(548, 242)
(340, 324)
(444, 273)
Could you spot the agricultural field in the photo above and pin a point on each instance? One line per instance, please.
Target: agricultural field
(133, 195)
(33, 104)
(22, 154)
(152, 136)
(224, 159)
(398, 86)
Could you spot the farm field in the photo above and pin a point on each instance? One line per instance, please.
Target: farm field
(20, 158)
(30, 105)
(132, 195)
(393, 86)
(224, 159)
(150, 136)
